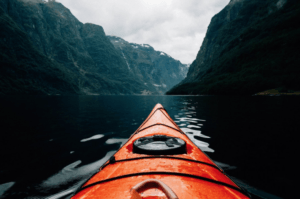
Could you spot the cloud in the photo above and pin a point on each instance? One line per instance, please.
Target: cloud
(176, 27)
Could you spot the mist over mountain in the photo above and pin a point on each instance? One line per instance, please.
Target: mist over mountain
(250, 46)
(44, 49)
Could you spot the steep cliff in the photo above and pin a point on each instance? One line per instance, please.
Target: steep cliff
(250, 46)
(24, 70)
(159, 70)
(47, 37)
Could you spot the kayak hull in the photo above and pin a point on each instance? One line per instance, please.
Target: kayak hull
(189, 175)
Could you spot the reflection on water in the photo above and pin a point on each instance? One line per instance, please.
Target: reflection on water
(72, 176)
(116, 140)
(61, 141)
(192, 125)
(4, 187)
(95, 137)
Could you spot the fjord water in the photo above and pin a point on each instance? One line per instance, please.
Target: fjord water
(51, 144)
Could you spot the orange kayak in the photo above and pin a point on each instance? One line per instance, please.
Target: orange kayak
(159, 161)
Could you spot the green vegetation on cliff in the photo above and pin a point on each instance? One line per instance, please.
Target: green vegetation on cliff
(20, 65)
(46, 50)
(159, 71)
(257, 50)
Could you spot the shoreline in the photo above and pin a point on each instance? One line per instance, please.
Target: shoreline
(275, 92)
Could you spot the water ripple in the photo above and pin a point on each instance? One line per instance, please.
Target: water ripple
(72, 176)
(194, 126)
(194, 132)
(4, 187)
(95, 137)
(116, 140)
(191, 125)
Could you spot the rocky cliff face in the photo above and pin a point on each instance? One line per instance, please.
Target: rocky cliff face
(43, 45)
(24, 69)
(250, 46)
(159, 70)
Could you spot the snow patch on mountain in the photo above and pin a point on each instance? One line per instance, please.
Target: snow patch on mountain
(164, 54)
(134, 45)
(146, 45)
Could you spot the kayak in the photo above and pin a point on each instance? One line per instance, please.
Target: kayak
(159, 161)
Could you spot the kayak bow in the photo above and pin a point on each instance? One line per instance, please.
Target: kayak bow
(159, 161)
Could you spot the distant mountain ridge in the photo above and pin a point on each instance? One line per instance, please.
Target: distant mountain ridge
(159, 70)
(44, 49)
(250, 46)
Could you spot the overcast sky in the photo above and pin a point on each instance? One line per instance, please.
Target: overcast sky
(176, 27)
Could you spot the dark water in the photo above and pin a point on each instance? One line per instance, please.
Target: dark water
(51, 144)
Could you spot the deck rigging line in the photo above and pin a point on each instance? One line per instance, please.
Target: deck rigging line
(164, 173)
(113, 160)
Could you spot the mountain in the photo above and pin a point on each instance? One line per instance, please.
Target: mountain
(44, 49)
(158, 69)
(250, 46)
(24, 69)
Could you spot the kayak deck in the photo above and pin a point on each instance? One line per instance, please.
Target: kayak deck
(189, 175)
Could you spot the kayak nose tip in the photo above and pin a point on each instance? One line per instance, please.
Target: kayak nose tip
(158, 105)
